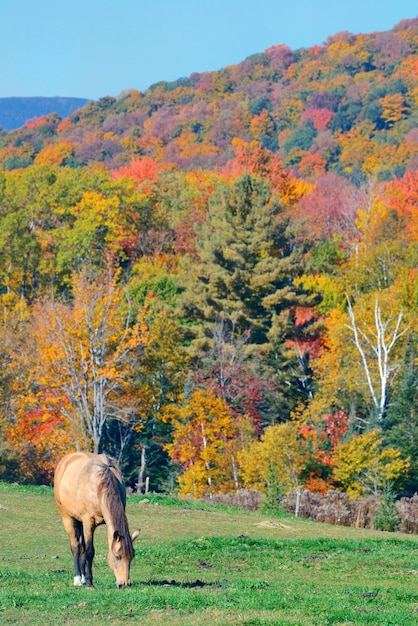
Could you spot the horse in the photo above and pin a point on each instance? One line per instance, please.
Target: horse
(89, 491)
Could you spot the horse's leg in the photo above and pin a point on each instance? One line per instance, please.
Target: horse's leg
(88, 529)
(80, 560)
(74, 530)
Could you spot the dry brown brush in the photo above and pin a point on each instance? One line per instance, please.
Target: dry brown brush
(335, 507)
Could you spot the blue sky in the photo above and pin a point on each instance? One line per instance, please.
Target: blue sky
(94, 48)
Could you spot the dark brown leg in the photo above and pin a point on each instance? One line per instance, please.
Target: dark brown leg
(74, 529)
(89, 552)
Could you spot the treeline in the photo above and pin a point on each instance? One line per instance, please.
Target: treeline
(208, 309)
(196, 324)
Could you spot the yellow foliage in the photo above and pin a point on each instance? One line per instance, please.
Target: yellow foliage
(275, 460)
(364, 466)
(328, 286)
(356, 145)
(204, 442)
(393, 107)
(54, 154)
(87, 353)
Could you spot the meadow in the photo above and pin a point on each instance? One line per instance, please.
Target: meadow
(203, 564)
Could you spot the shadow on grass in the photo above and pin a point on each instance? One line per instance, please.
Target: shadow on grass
(182, 585)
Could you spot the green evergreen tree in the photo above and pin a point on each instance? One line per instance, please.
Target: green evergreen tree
(401, 422)
(244, 274)
(245, 268)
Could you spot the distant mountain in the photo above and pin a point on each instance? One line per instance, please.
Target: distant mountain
(15, 112)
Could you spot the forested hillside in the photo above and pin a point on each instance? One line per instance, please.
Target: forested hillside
(348, 106)
(216, 280)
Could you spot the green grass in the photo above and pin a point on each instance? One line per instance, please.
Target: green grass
(201, 564)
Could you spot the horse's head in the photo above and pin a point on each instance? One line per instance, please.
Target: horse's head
(120, 556)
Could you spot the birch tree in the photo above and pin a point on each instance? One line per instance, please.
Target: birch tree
(375, 345)
(86, 353)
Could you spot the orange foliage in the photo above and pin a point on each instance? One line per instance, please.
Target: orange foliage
(253, 158)
(41, 437)
(315, 484)
(54, 154)
(320, 443)
(312, 165)
(65, 125)
(403, 193)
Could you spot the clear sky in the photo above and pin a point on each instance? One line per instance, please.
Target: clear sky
(95, 48)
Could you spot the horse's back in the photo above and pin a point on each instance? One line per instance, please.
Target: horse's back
(76, 483)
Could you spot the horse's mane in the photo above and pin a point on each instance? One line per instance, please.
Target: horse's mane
(112, 491)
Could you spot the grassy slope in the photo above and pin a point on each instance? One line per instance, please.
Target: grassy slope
(205, 565)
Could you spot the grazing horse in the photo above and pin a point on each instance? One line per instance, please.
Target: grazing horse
(89, 491)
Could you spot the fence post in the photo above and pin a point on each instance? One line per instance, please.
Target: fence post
(298, 499)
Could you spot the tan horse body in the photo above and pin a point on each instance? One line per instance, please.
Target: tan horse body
(89, 491)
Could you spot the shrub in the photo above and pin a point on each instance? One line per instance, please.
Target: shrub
(387, 517)
(407, 509)
(249, 499)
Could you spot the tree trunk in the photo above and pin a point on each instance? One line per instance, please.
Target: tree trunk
(141, 473)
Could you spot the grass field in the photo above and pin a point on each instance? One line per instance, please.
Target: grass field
(198, 564)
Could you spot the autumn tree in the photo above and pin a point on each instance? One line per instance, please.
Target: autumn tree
(274, 463)
(158, 381)
(319, 442)
(375, 346)
(363, 465)
(361, 359)
(204, 443)
(39, 437)
(15, 367)
(227, 370)
(86, 354)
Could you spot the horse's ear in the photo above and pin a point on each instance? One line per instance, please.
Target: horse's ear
(135, 534)
(116, 536)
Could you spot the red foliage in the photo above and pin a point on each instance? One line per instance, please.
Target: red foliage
(327, 210)
(303, 314)
(242, 389)
(36, 122)
(321, 118)
(320, 442)
(312, 165)
(185, 232)
(141, 170)
(336, 426)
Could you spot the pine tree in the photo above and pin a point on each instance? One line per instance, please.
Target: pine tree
(245, 269)
(401, 423)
